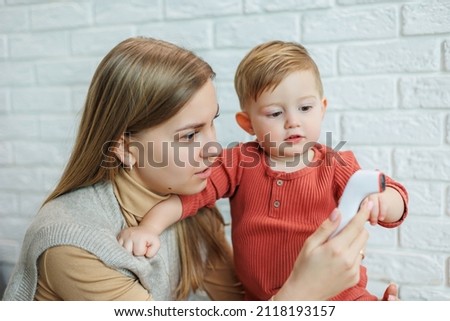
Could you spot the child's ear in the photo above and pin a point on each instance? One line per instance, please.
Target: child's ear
(244, 122)
(123, 153)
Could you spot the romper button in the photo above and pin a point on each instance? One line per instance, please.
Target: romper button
(276, 204)
(279, 182)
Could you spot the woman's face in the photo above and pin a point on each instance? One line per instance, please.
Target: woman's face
(175, 156)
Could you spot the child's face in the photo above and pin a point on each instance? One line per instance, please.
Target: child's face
(174, 156)
(288, 119)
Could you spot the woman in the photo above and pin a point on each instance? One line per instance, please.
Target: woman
(148, 116)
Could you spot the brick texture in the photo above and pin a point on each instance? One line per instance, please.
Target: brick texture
(386, 73)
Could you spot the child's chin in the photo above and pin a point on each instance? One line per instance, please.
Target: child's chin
(290, 153)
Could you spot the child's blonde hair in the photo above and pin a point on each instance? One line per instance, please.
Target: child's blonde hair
(266, 65)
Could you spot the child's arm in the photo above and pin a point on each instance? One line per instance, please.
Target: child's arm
(162, 215)
(389, 206)
(144, 239)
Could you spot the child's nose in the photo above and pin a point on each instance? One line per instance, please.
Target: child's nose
(292, 121)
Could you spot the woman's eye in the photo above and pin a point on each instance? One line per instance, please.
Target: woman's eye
(212, 121)
(189, 136)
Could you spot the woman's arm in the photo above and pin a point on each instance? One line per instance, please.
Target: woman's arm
(69, 273)
(325, 267)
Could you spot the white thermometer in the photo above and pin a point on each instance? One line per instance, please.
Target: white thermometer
(360, 185)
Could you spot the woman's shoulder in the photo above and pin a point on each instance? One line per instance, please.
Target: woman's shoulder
(89, 198)
(85, 192)
(86, 208)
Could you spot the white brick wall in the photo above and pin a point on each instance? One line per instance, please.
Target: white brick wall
(385, 67)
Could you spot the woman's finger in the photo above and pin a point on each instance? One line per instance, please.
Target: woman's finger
(357, 248)
(324, 231)
(350, 232)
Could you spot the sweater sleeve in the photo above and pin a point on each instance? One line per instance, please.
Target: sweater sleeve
(70, 273)
(224, 179)
(404, 194)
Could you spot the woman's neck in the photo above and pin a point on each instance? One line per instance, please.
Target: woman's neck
(134, 199)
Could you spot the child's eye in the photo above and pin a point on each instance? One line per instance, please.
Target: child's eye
(275, 114)
(305, 108)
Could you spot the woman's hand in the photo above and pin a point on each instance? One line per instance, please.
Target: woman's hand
(325, 267)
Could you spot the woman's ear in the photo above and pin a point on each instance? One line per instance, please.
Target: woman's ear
(123, 153)
(243, 120)
(324, 106)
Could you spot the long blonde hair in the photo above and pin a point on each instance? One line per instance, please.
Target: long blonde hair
(139, 84)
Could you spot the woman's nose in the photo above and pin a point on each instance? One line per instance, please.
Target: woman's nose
(210, 148)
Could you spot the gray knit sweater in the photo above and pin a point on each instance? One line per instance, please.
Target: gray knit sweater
(90, 218)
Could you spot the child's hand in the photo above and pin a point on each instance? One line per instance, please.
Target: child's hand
(139, 241)
(379, 209)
